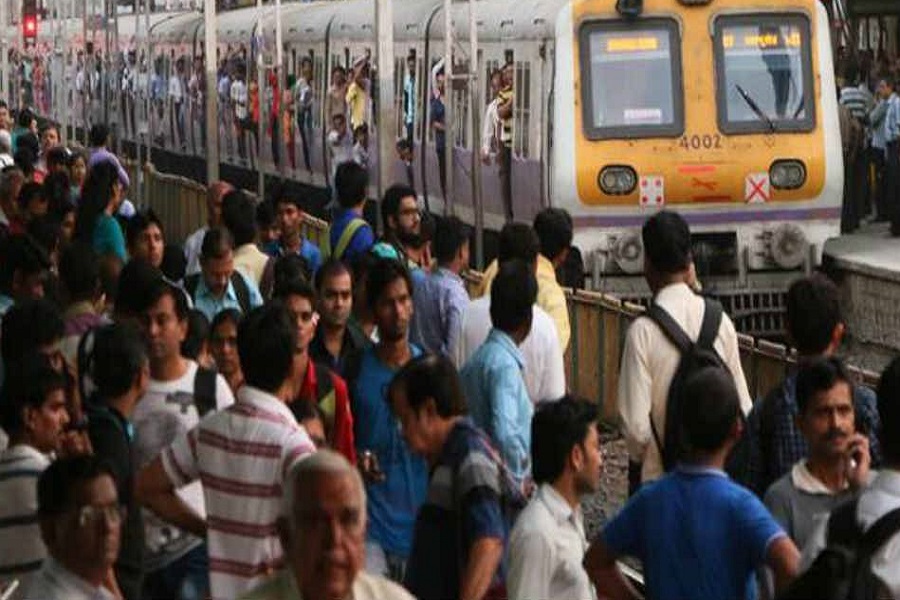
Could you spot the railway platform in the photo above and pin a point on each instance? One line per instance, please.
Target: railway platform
(866, 265)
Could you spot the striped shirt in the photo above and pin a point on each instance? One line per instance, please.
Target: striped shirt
(21, 549)
(241, 455)
(858, 100)
(506, 124)
(891, 125)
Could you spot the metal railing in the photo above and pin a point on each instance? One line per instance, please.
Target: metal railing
(598, 321)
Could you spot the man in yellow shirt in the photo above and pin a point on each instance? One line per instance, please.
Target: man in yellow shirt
(554, 230)
(358, 93)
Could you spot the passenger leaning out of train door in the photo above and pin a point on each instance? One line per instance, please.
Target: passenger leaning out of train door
(505, 107)
(649, 359)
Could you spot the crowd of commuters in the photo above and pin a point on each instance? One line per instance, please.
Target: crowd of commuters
(247, 415)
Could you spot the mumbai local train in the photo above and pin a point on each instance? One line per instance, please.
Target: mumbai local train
(724, 110)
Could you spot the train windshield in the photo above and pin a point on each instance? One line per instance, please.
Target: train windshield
(764, 74)
(632, 79)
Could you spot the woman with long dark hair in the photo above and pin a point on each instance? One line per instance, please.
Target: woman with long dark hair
(100, 199)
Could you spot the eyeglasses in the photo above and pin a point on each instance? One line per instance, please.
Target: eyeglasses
(91, 514)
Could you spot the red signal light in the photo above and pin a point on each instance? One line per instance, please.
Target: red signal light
(30, 26)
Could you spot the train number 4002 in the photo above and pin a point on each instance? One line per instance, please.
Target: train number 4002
(701, 142)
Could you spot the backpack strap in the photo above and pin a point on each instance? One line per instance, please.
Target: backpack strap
(205, 390)
(712, 319)
(670, 328)
(241, 290)
(880, 532)
(843, 529)
(347, 236)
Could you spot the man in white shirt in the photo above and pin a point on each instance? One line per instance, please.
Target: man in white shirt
(81, 520)
(192, 245)
(548, 542)
(242, 455)
(239, 99)
(883, 494)
(544, 372)
(179, 394)
(340, 143)
(649, 359)
(176, 100)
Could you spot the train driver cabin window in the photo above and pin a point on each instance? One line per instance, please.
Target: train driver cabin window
(648, 57)
(764, 73)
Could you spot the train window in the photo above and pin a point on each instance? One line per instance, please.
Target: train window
(648, 57)
(764, 73)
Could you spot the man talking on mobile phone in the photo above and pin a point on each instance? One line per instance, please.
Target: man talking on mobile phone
(837, 466)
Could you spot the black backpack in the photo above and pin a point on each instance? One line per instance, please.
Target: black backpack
(694, 356)
(237, 281)
(843, 570)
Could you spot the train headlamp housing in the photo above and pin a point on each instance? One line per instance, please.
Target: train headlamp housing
(617, 180)
(789, 246)
(787, 174)
(628, 252)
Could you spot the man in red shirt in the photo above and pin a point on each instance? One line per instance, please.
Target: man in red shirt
(316, 383)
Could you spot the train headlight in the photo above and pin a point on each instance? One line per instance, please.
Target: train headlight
(628, 252)
(789, 246)
(787, 174)
(617, 180)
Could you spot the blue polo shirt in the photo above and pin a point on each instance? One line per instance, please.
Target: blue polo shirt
(361, 242)
(393, 503)
(307, 252)
(210, 306)
(698, 534)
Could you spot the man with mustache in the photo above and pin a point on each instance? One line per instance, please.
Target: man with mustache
(837, 466)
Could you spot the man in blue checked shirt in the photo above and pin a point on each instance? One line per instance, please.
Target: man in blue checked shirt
(492, 379)
(891, 127)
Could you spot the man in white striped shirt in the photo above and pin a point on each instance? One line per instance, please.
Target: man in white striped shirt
(34, 414)
(242, 455)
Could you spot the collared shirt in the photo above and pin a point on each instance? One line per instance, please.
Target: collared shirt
(440, 299)
(649, 362)
(463, 506)
(438, 116)
(251, 261)
(55, 582)
(546, 548)
(101, 155)
(365, 587)
(192, 246)
(798, 500)
(307, 251)
(241, 455)
(550, 295)
(776, 443)
(881, 497)
(210, 305)
(361, 242)
(21, 547)
(498, 400)
(340, 148)
(545, 375)
(857, 99)
(354, 340)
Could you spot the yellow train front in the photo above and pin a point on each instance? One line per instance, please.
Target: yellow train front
(724, 110)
